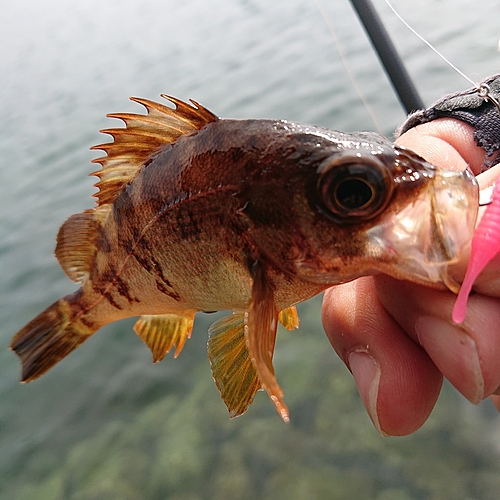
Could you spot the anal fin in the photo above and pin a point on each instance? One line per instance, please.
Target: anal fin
(161, 332)
(232, 368)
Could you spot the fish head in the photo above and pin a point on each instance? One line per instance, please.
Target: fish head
(370, 206)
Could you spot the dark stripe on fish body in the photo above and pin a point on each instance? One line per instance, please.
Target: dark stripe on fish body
(123, 289)
(108, 278)
(112, 301)
(86, 322)
(163, 283)
(143, 261)
(167, 291)
(103, 243)
(144, 256)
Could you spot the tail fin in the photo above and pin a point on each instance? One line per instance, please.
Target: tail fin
(48, 338)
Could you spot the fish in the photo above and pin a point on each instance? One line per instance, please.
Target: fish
(197, 213)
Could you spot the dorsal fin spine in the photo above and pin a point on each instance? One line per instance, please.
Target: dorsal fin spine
(141, 138)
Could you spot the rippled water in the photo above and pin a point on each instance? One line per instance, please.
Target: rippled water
(105, 423)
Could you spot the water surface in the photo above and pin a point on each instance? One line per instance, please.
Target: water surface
(106, 423)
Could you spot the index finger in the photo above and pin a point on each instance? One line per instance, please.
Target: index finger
(449, 143)
(446, 143)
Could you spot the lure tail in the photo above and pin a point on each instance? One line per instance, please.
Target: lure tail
(49, 337)
(484, 246)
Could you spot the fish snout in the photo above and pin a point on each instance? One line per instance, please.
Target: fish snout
(429, 235)
(454, 204)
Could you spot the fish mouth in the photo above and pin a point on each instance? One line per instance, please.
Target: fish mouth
(429, 235)
(418, 242)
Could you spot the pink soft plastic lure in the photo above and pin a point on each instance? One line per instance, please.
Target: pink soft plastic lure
(484, 246)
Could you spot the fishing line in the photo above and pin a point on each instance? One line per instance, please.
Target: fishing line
(447, 61)
(389, 57)
(391, 60)
(343, 58)
(483, 89)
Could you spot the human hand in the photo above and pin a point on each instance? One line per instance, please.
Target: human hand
(398, 338)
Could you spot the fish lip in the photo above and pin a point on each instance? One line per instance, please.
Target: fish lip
(442, 220)
(426, 246)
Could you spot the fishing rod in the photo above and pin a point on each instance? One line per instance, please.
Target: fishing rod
(388, 55)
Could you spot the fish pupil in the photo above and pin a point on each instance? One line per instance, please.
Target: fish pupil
(354, 193)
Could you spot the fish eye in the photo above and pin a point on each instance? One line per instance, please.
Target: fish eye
(353, 187)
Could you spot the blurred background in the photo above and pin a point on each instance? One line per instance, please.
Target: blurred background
(106, 423)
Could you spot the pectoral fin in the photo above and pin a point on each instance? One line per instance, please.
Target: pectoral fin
(232, 368)
(77, 240)
(161, 332)
(261, 323)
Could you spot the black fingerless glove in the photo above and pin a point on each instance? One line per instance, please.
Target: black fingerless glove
(470, 107)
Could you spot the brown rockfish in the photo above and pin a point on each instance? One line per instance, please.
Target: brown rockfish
(197, 213)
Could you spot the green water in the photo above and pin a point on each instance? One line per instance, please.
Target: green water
(107, 424)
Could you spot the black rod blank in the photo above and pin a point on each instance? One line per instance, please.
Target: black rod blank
(388, 55)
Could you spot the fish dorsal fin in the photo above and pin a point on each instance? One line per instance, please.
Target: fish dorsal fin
(141, 138)
(232, 368)
(76, 242)
(161, 332)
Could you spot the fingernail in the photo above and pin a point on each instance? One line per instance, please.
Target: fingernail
(454, 352)
(366, 373)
